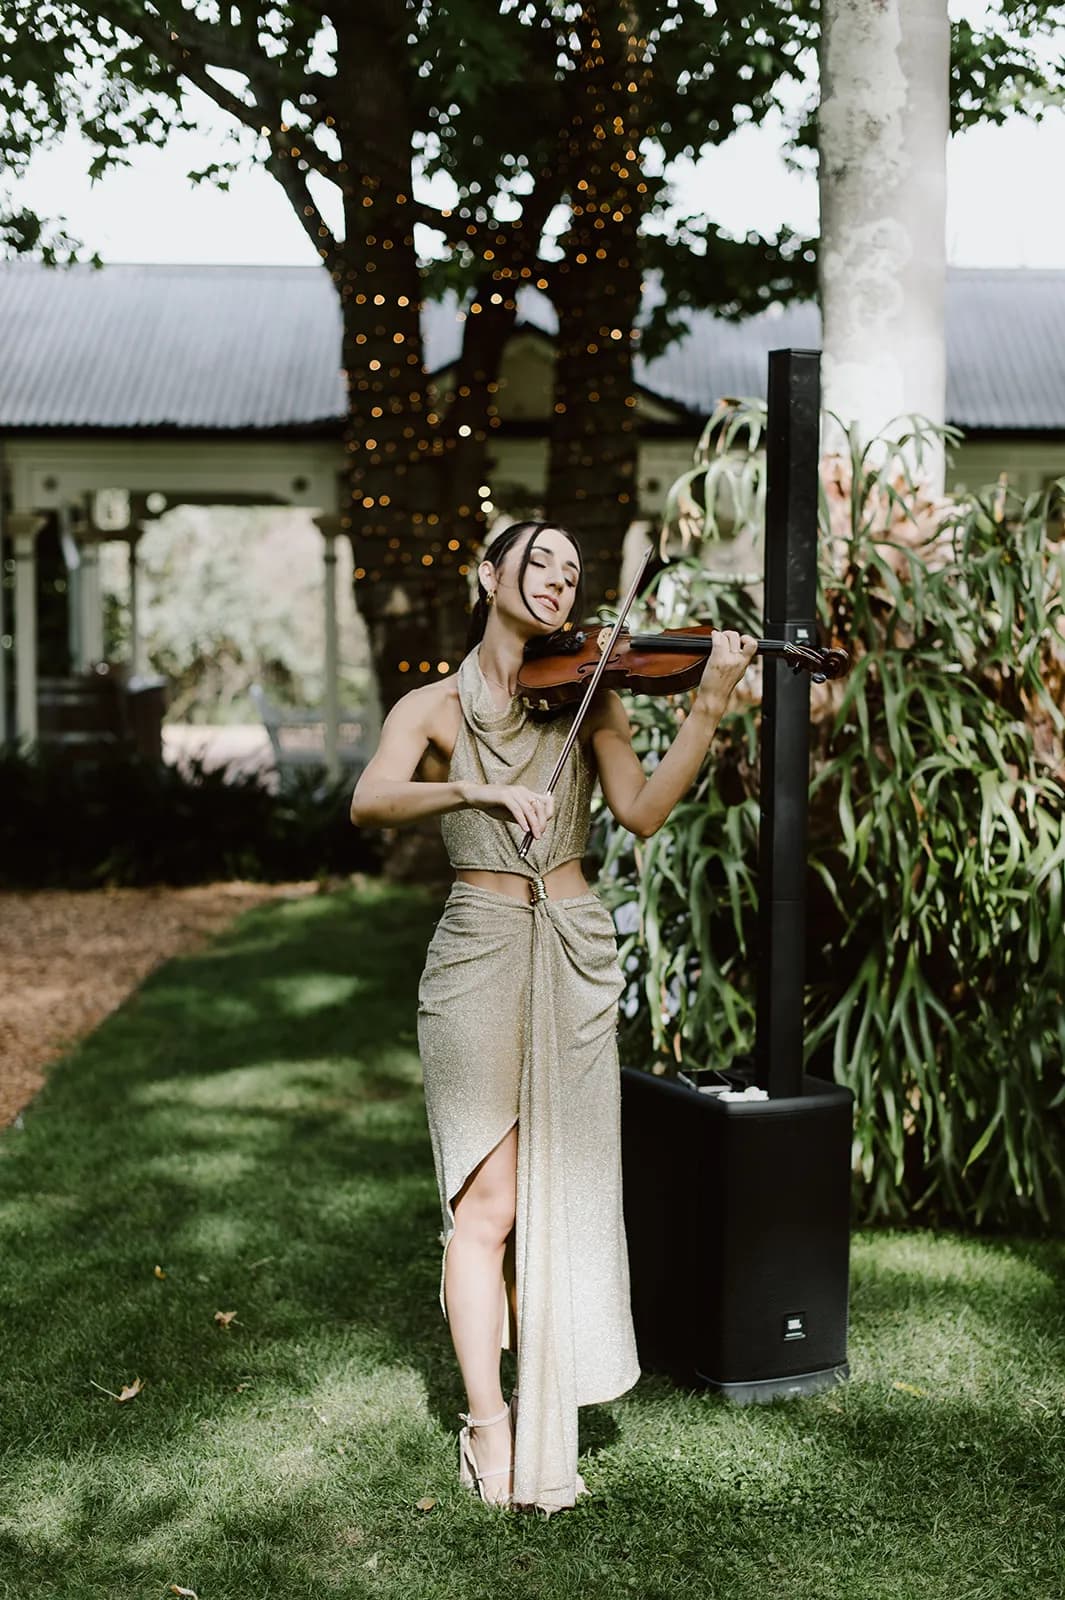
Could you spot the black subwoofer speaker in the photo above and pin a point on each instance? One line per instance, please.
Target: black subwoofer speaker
(737, 1214)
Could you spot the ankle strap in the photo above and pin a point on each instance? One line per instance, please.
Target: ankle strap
(484, 1422)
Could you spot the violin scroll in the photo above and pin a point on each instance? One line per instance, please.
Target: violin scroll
(821, 663)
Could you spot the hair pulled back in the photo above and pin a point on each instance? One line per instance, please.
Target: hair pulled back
(495, 553)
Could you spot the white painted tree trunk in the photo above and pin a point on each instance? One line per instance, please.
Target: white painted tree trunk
(884, 124)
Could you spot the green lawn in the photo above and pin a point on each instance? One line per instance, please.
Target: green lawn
(251, 1122)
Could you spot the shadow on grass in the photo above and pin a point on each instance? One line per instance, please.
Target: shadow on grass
(251, 1122)
(260, 1103)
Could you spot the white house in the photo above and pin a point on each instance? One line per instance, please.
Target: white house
(130, 387)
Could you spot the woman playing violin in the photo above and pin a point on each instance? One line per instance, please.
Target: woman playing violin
(517, 1012)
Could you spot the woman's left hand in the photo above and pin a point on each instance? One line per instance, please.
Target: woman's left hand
(731, 656)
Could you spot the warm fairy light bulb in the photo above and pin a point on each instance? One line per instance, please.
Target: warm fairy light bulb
(465, 431)
(404, 666)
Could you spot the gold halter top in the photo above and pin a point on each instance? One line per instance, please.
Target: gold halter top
(505, 747)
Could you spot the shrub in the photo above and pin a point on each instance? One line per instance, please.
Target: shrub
(127, 820)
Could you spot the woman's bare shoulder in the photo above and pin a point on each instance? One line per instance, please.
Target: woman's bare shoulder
(438, 712)
(427, 702)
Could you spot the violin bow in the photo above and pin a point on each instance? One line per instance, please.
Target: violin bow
(586, 698)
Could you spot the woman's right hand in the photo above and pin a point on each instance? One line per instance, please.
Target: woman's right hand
(512, 802)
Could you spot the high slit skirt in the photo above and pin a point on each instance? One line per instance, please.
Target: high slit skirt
(517, 1023)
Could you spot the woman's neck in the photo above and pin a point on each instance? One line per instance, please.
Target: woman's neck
(500, 656)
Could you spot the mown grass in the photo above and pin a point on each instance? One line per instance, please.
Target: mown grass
(251, 1122)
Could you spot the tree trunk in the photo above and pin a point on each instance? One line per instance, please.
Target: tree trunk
(410, 570)
(511, 254)
(884, 123)
(594, 446)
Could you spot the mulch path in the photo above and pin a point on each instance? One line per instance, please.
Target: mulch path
(68, 959)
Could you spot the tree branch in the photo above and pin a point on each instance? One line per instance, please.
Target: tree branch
(282, 168)
(168, 47)
(184, 53)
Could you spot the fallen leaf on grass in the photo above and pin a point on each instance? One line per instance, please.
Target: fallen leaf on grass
(190, 1594)
(159, 1273)
(224, 1318)
(130, 1391)
(426, 1503)
(910, 1388)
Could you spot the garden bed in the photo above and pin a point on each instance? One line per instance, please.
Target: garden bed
(68, 959)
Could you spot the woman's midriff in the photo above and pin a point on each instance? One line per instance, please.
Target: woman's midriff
(561, 882)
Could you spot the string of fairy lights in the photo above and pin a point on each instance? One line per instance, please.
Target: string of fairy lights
(594, 354)
(398, 426)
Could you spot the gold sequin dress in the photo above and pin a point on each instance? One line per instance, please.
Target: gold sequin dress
(517, 1023)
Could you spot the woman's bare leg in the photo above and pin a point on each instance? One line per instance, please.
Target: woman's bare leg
(510, 1285)
(473, 1294)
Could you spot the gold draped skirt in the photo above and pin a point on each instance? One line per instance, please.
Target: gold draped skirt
(517, 1023)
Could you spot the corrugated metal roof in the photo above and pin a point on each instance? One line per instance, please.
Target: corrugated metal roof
(258, 348)
(168, 347)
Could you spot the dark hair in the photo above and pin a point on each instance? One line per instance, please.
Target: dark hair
(495, 553)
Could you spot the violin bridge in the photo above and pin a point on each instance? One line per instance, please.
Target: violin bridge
(602, 639)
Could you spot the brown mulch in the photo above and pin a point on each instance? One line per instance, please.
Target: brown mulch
(68, 959)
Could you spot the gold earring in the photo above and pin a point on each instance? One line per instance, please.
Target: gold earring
(491, 597)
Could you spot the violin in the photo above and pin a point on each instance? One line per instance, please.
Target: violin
(668, 662)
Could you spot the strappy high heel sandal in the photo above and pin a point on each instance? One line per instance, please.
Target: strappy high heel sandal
(582, 1487)
(469, 1476)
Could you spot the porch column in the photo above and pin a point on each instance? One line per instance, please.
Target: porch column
(24, 527)
(92, 604)
(69, 542)
(329, 524)
(136, 644)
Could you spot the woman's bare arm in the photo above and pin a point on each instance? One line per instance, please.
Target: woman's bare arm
(388, 795)
(640, 803)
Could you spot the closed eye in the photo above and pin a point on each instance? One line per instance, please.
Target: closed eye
(570, 582)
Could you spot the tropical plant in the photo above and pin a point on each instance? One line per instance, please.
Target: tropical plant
(937, 841)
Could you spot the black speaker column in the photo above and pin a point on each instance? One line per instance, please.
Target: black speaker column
(737, 1211)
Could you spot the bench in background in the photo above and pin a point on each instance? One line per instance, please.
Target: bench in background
(297, 738)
